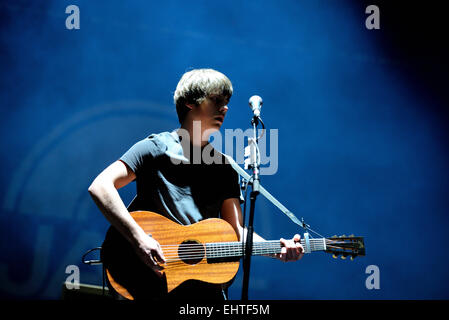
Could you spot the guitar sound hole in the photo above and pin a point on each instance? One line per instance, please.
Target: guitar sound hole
(191, 252)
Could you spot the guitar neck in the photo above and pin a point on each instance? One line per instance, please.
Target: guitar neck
(236, 249)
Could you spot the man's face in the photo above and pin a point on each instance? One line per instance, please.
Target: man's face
(211, 112)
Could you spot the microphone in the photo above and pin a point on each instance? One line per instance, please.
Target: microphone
(255, 103)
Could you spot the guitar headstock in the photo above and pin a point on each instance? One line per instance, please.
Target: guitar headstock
(344, 246)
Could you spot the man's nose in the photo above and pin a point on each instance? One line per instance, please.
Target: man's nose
(223, 110)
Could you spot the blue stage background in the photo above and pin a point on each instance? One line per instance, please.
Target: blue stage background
(361, 114)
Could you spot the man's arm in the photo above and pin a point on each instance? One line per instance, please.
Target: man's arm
(104, 192)
(231, 211)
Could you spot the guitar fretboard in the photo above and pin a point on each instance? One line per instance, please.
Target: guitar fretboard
(236, 249)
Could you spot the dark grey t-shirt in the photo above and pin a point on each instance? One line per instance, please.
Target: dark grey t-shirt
(185, 192)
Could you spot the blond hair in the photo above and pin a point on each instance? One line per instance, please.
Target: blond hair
(198, 84)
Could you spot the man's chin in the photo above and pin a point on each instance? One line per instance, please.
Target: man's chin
(215, 127)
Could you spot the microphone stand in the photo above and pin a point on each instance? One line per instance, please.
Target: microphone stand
(253, 195)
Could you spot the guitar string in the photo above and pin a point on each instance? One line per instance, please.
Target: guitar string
(218, 254)
(237, 242)
(231, 249)
(230, 244)
(259, 245)
(221, 254)
(224, 244)
(201, 257)
(219, 248)
(201, 254)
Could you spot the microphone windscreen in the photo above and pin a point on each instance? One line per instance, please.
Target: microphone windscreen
(255, 102)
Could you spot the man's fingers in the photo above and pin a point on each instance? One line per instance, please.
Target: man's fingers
(151, 262)
(297, 238)
(159, 255)
(291, 250)
(283, 255)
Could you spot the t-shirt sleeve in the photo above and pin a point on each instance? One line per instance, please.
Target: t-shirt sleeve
(232, 185)
(140, 155)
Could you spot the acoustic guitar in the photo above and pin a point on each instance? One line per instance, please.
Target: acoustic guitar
(208, 251)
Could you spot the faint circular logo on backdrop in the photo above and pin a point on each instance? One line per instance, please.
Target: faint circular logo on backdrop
(47, 198)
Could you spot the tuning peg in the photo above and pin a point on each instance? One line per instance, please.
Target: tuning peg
(343, 236)
(352, 258)
(334, 237)
(335, 256)
(351, 236)
(343, 257)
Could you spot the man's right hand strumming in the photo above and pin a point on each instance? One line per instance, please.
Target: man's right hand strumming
(104, 192)
(150, 252)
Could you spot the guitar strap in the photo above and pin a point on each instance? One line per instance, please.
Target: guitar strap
(267, 195)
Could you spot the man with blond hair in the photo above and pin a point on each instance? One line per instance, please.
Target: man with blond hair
(175, 184)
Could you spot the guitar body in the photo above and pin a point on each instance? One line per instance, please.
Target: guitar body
(131, 278)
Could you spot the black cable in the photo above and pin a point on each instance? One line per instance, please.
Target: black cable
(90, 261)
(104, 276)
(263, 129)
(244, 214)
